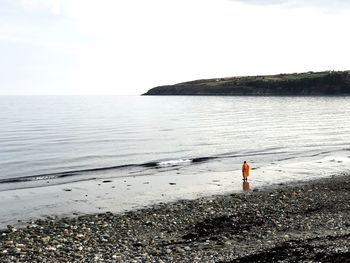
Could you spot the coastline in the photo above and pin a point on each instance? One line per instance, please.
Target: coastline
(307, 221)
(118, 193)
(326, 83)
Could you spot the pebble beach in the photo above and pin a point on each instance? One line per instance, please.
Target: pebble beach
(304, 222)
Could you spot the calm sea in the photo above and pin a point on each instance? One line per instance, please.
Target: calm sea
(60, 139)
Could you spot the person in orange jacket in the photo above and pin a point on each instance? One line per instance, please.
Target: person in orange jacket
(245, 171)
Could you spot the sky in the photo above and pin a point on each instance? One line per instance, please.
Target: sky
(125, 47)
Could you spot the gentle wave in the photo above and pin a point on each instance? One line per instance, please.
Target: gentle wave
(59, 174)
(155, 164)
(174, 162)
(71, 173)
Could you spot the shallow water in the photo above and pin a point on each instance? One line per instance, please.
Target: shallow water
(79, 137)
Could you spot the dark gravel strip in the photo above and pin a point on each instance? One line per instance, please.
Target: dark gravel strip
(300, 223)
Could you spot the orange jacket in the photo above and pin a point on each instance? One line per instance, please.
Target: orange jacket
(245, 169)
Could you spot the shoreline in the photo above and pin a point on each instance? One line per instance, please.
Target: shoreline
(304, 221)
(118, 193)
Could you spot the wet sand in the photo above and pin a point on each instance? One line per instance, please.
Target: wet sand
(111, 194)
(308, 222)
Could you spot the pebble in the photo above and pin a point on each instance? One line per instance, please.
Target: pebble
(227, 243)
(45, 239)
(8, 243)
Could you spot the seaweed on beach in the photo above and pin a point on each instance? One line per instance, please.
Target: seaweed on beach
(234, 225)
(309, 250)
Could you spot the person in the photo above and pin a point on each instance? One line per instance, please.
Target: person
(245, 171)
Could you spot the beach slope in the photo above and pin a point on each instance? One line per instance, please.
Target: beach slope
(307, 222)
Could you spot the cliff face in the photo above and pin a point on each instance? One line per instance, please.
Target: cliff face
(311, 83)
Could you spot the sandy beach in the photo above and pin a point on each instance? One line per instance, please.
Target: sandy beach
(307, 222)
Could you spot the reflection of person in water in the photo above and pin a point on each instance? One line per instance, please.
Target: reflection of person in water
(245, 186)
(245, 171)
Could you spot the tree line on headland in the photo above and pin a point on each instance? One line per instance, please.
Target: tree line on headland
(302, 84)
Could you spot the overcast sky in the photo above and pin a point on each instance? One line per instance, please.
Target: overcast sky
(129, 46)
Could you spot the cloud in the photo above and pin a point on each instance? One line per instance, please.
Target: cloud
(46, 7)
(37, 22)
(322, 4)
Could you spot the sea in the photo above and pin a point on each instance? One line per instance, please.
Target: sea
(62, 139)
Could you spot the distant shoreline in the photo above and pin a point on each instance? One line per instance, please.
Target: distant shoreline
(327, 83)
(300, 222)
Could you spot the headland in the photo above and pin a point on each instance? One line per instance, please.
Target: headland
(296, 84)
